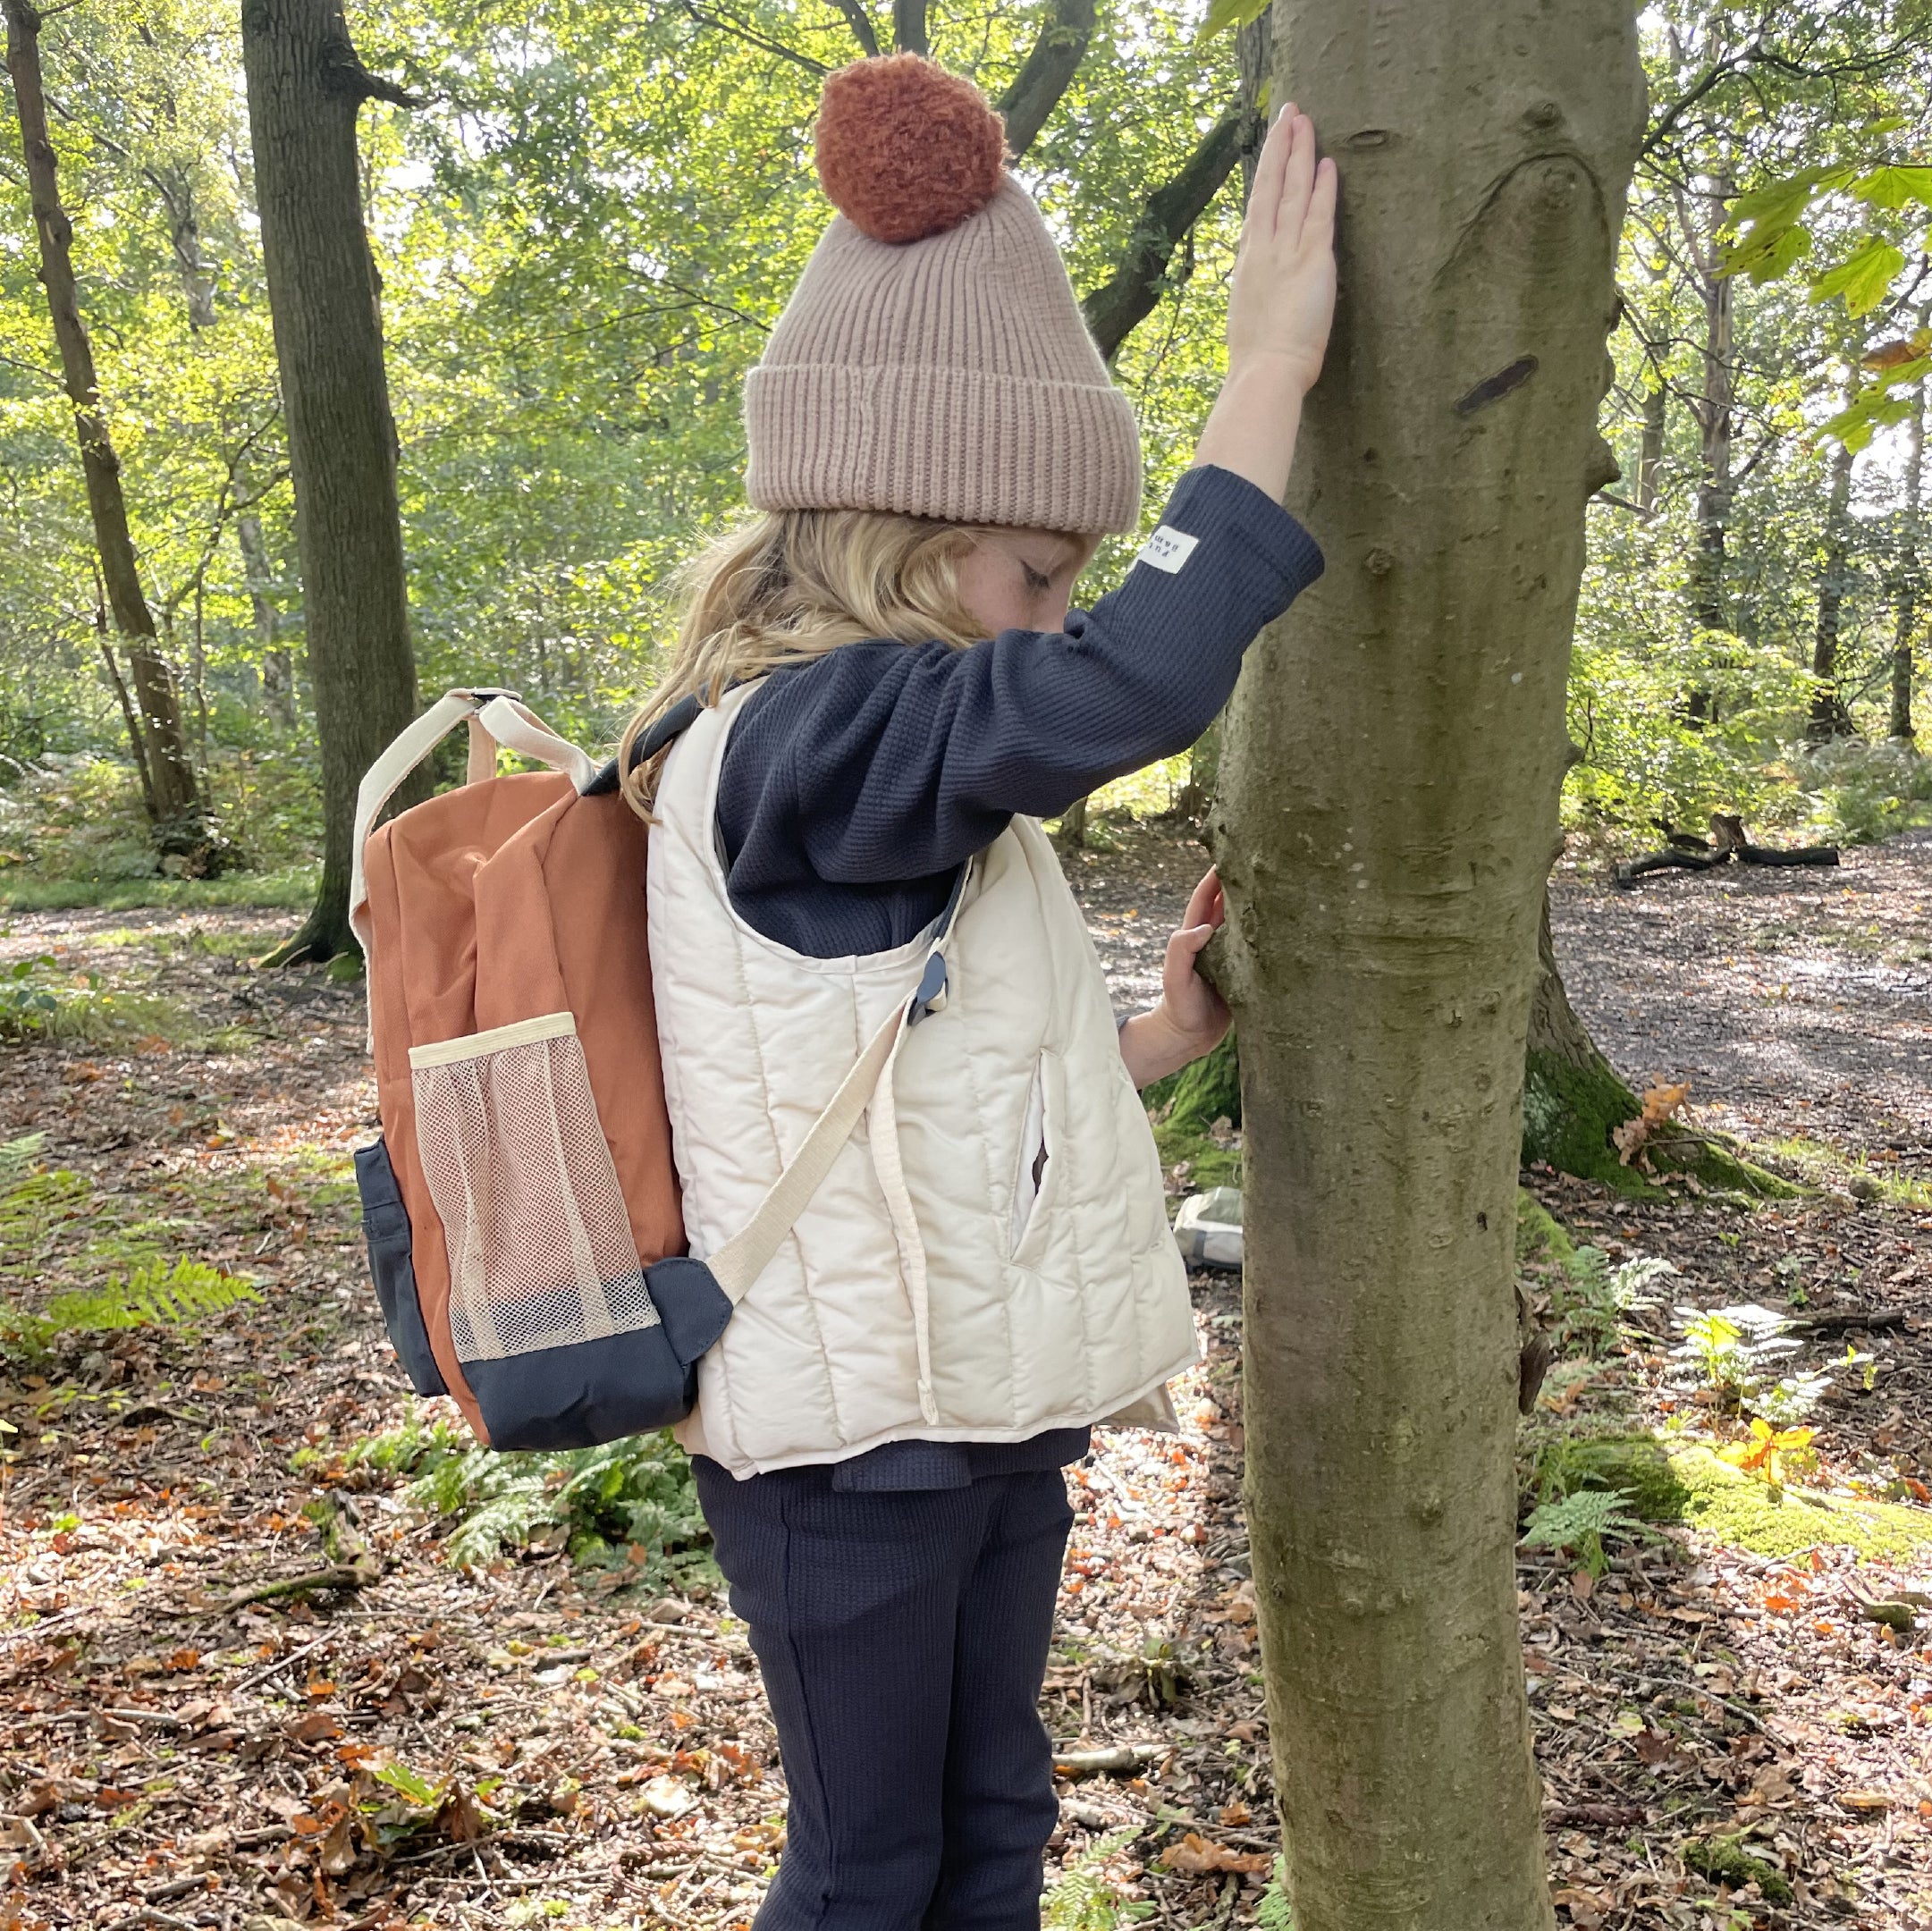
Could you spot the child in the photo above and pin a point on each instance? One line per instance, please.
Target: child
(894, 692)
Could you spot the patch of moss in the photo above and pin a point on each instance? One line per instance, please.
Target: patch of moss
(1199, 1094)
(1826, 1165)
(1569, 1112)
(1540, 1235)
(1744, 1511)
(1185, 1105)
(1634, 1466)
(1687, 1483)
(1724, 1860)
(1212, 1166)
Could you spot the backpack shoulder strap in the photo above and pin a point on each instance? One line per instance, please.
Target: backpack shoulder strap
(736, 1264)
(674, 723)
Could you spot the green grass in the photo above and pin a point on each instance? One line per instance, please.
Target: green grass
(37, 1007)
(171, 941)
(291, 889)
(1823, 1165)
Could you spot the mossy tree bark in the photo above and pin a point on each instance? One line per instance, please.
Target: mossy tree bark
(1388, 804)
(1572, 1095)
(305, 88)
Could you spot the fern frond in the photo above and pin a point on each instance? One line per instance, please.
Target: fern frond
(18, 1158)
(1271, 1912)
(155, 1296)
(1586, 1513)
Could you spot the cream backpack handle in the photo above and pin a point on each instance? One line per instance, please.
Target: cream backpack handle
(495, 715)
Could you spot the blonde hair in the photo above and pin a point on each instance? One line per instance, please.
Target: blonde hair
(790, 585)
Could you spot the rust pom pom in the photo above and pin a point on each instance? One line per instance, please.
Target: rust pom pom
(907, 150)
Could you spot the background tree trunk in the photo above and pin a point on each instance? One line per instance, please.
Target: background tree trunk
(1829, 716)
(1717, 427)
(277, 668)
(1389, 784)
(169, 786)
(305, 85)
(1650, 453)
(1900, 725)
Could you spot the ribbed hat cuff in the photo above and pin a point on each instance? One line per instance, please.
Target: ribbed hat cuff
(959, 444)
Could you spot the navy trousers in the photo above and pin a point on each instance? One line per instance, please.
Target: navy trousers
(903, 1636)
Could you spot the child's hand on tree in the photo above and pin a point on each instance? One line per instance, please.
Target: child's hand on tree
(1192, 1018)
(1280, 307)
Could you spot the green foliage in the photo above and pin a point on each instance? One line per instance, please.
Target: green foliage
(1588, 1296)
(1580, 1522)
(37, 999)
(601, 1504)
(26, 1002)
(33, 1200)
(182, 1293)
(1724, 1860)
(288, 890)
(1731, 1348)
(1271, 1911)
(1084, 1898)
(1859, 793)
(1635, 1469)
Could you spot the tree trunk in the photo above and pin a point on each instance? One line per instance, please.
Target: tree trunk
(278, 669)
(1716, 425)
(1389, 783)
(1829, 716)
(1651, 452)
(305, 85)
(173, 796)
(1195, 798)
(1900, 726)
(1254, 63)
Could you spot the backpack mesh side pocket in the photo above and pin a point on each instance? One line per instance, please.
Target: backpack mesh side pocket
(540, 1246)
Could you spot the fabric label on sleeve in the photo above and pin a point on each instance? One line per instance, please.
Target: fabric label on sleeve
(1167, 549)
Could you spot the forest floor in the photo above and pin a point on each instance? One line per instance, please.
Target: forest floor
(1727, 1737)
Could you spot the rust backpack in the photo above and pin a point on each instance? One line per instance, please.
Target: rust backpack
(521, 1208)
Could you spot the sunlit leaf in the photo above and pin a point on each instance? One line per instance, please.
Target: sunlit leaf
(1764, 254)
(1777, 204)
(1226, 13)
(1862, 279)
(1894, 187)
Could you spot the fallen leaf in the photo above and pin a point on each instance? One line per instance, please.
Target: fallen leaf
(1867, 1800)
(1193, 1856)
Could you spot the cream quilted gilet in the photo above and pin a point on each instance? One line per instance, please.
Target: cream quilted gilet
(929, 1291)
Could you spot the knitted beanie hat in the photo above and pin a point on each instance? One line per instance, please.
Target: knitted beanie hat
(933, 359)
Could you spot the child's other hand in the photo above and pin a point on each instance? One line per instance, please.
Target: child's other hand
(1282, 298)
(1192, 1018)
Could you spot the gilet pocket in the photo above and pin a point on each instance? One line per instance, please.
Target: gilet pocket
(386, 1228)
(561, 1339)
(1037, 1170)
